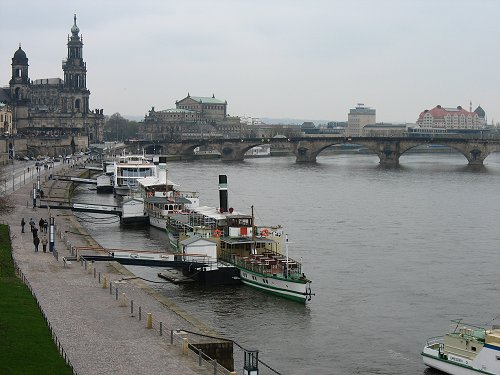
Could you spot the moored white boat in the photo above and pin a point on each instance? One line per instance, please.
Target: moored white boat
(467, 350)
(258, 252)
(127, 170)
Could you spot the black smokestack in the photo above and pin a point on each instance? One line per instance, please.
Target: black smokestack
(223, 192)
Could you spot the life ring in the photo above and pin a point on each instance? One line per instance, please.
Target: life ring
(217, 233)
(264, 232)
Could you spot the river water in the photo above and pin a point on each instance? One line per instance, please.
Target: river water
(394, 254)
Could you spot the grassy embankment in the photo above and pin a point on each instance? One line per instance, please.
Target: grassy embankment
(26, 345)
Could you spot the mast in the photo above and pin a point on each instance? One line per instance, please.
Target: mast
(253, 235)
(286, 251)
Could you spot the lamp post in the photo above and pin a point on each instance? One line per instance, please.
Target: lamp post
(251, 362)
(51, 235)
(34, 195)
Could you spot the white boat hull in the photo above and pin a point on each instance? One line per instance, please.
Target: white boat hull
(158, 222)
(294, 290)
(448, 367)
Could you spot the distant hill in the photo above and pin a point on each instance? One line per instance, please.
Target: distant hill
(133, 117)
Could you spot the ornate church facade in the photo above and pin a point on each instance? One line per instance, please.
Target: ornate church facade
(54, 107)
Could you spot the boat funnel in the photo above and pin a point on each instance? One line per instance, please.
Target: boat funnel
(223, 193)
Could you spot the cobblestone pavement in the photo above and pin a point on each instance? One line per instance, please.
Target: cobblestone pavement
(97, 334)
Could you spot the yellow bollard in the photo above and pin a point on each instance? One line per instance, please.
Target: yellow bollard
(149, 321)
(123, 301)
(104, 283)
(184, 346)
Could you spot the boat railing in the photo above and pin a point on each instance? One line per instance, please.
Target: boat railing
(435, 340)
(267, 266)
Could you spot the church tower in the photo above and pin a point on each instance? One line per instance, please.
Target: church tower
(19, 89)
(76, 96)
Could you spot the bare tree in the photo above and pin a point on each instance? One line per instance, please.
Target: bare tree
(6, 204)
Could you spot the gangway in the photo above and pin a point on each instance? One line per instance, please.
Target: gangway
(82, 207)
(76, 179)
(92, 168)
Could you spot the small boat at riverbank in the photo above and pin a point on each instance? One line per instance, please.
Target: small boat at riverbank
(467, 350)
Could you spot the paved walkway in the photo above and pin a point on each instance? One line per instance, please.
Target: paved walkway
(98, 336)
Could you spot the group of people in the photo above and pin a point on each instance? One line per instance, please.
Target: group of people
(43, 226)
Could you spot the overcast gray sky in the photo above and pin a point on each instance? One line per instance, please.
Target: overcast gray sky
(269, 58)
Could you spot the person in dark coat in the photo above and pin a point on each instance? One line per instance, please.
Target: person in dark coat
(41, 224)
(45, 226)
(34, 230)
(23, 223)
(36, 242)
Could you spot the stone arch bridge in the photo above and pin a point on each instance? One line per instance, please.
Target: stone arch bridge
(307, 148)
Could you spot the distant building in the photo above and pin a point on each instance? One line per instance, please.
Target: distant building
(53, 107)
(193, 117)
(452, 118)
(6, 121)
(358, 118)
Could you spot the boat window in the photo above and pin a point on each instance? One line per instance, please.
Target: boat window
(473, 348)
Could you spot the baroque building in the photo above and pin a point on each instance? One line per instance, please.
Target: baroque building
(54, 107)
(192, 117)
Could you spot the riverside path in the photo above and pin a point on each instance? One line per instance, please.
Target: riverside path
(96, 334)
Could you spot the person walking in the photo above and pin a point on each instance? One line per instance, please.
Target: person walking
(36, 242)
(23, 223)
(34, 231)
(41, 224)
(44, 243)
(45, 225)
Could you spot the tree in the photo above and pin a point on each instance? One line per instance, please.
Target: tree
(6, 204)
(118, 128)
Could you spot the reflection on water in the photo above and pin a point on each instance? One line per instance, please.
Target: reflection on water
(393, 255)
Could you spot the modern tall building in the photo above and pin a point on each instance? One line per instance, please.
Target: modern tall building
(452, 118)
(358, 118)
(53, 107)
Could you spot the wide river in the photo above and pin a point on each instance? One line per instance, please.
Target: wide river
(394, 254)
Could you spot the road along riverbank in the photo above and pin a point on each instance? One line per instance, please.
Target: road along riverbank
(105, 320)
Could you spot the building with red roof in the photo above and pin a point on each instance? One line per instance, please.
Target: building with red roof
(450, 118)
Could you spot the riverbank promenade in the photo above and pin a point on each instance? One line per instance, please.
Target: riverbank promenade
(97, 333)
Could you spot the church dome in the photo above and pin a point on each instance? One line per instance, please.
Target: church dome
(19, 57)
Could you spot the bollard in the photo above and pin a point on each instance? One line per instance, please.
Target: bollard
(110, 288)
(94, 273)
(161, 328)
(116, 294)
(99, 279)
(85, 265)
(104, 283)
(149, 321)
(171, 337)
(132, 307)
(199, 357)
(140, 313)
(184, 347)
(123, 301)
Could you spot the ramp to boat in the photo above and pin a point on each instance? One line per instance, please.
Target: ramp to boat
(82, 207)
(76, 179)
